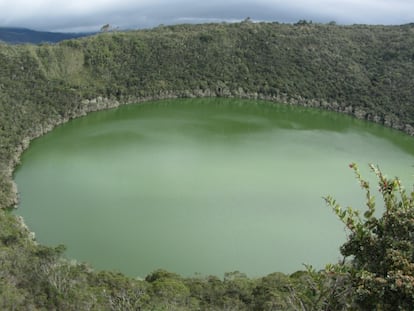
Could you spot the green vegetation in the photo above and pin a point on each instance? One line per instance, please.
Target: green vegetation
(366, 71)
(382, 267)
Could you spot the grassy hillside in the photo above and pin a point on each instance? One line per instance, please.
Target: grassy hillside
(365, 71)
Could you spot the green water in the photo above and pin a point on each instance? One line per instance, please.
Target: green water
(202, 186)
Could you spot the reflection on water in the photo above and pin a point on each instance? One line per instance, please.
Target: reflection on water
(206, 185)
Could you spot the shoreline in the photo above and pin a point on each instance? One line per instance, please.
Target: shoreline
(102, 103)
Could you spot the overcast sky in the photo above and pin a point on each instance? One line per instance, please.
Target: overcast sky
(90, 15)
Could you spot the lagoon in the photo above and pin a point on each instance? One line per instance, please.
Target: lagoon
(202, 185)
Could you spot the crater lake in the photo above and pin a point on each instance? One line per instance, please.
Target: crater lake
(203, 185)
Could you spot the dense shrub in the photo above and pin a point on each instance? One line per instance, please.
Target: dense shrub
(381, 249)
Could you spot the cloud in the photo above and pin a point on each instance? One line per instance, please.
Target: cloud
(367, 12)
(81, 15)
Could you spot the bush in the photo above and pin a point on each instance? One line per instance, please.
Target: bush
(381, 249)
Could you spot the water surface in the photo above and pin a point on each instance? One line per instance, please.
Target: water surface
(202, 186)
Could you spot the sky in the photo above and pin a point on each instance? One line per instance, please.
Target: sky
(91, 15)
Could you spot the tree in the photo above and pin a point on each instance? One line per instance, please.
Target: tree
(381, 249)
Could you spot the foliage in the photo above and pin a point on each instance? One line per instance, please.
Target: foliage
(381, 267)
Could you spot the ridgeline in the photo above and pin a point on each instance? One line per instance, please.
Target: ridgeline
(22, 36)
(364, 71)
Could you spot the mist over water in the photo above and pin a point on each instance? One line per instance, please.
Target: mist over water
(202, 186)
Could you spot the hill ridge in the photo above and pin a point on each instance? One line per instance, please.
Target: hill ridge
(21, 35)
